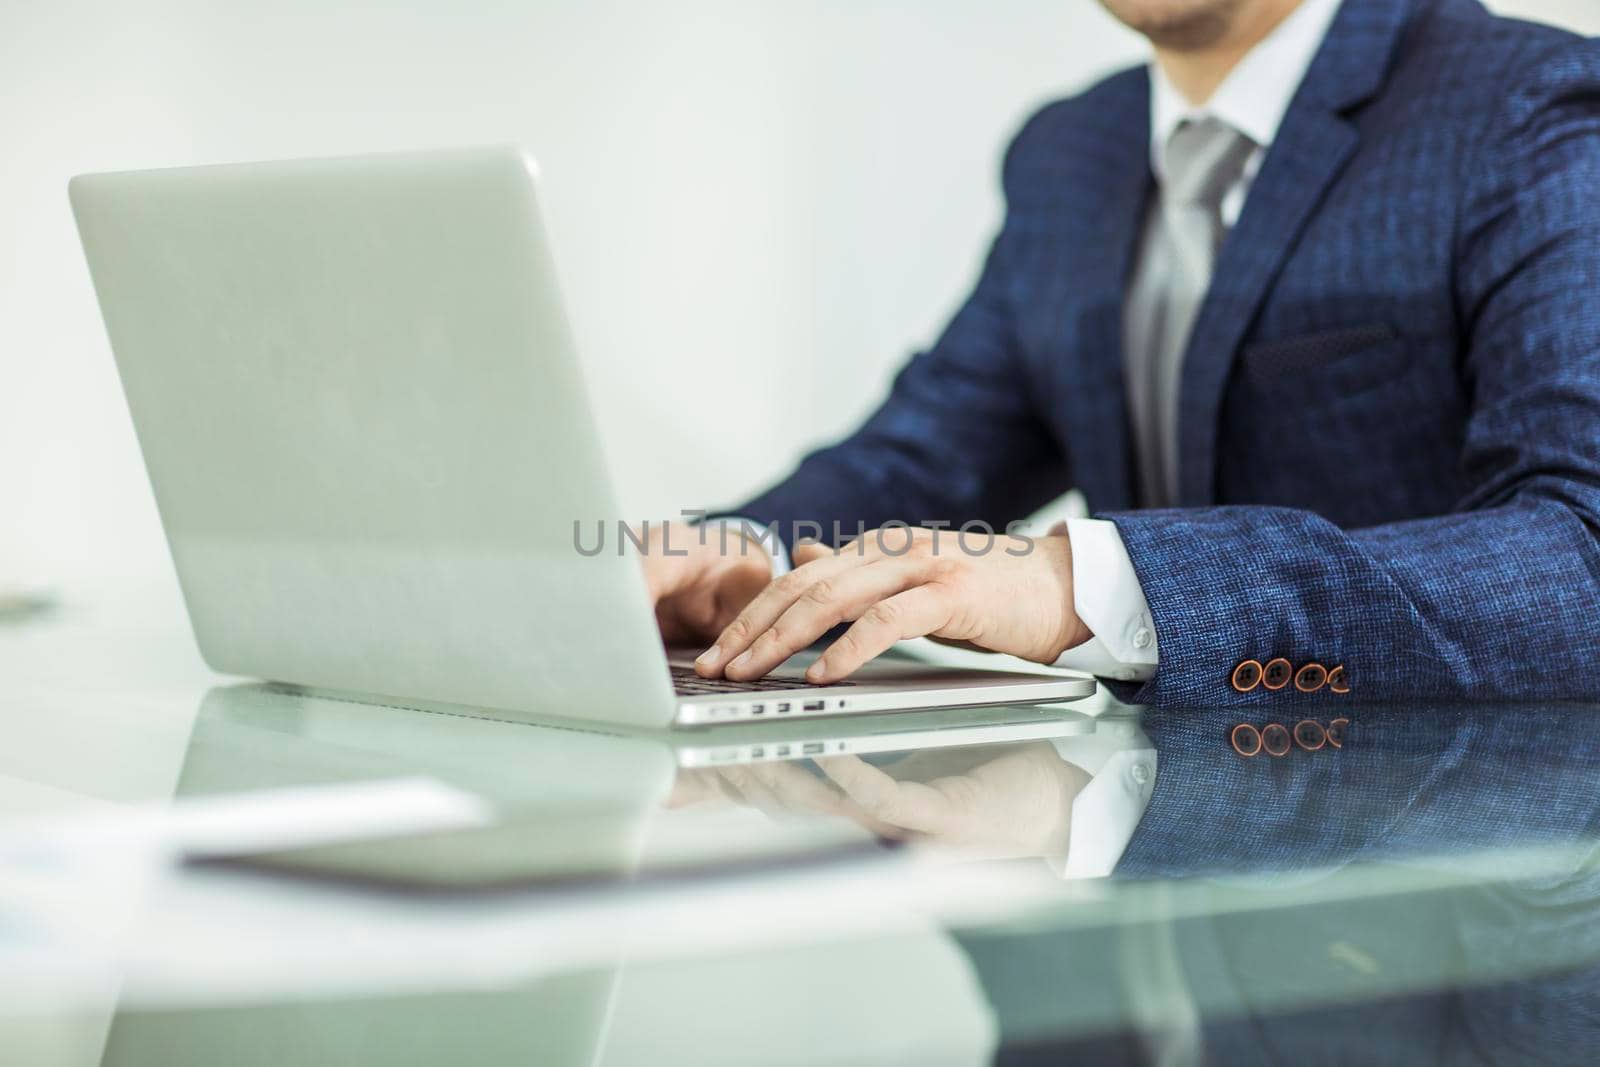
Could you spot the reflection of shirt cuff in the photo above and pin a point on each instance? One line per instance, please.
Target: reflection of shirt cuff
(1106, 813)
(766, 535)
(1122, 762)
(1108, 598)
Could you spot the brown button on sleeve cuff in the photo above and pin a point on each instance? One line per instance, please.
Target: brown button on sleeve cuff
(1337, 681)
(1246, 676)
(1276, 674)
(1310, 678)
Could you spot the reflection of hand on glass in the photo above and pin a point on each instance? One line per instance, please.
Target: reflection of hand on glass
(1010, 803)
(778, 789)
(1003, 802)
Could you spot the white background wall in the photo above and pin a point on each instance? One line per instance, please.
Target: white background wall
(761, 206)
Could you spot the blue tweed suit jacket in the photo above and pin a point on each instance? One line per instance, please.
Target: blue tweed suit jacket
(1390, 406)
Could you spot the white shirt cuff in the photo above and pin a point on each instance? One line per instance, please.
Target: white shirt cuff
(1108, 598)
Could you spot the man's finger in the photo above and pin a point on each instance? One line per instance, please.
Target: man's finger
(809, 551)
(759, 615)
(825, 603)
(914, 613)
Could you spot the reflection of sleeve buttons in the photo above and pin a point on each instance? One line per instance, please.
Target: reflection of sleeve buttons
(1246, 676)
(1309, 735)
(1278, 740)
(1275, 675)
(1275, 739)
(1309, 679)
(1336, 732)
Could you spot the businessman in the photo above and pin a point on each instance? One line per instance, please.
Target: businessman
(1309, 309)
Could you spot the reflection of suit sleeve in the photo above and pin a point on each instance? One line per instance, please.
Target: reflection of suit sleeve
(1498, 966)
(1497, 599)
(1414, 781)
(1509, 962)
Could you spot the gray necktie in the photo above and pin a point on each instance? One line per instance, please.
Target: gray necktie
(1202, 159)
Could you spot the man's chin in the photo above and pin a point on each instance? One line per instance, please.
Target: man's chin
(1181, 25)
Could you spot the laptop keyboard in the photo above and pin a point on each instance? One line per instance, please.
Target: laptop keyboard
(689, 684)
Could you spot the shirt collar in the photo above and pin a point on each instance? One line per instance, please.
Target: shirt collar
(1257, 92)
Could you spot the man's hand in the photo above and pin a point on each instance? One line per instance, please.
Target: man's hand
(699, 588)
(1014, 597)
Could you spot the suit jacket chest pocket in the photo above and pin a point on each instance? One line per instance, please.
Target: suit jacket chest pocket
(1323, 368)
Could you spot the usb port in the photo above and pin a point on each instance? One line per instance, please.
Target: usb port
(815, 705)
(783, 709)
(758, 709)
(757, 751)
(812, 748)
(783, 750)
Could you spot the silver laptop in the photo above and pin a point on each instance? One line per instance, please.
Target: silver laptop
(366, 428)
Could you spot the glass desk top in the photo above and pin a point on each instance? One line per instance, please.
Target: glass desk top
(198, 870)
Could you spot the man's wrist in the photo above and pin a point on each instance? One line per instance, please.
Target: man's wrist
(1071, 629)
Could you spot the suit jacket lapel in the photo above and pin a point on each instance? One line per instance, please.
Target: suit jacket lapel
(1314, 142)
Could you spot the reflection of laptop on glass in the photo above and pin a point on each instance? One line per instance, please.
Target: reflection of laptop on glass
(367, 433)
(622, 790)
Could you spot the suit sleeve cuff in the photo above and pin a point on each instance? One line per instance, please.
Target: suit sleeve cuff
(1109, 599)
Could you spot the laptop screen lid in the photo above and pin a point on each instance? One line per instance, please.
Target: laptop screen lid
(366, 428)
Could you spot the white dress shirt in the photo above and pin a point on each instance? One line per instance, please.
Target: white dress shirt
(1253, 100)
(1106, 590)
